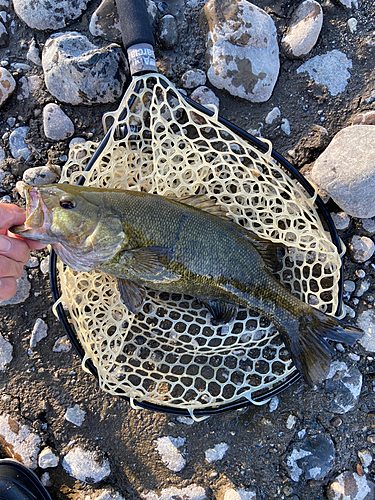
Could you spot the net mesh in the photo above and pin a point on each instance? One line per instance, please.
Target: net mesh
(170, 353)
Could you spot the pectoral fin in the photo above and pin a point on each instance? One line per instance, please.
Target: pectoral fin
(222, 312)
(132, 294)
(147, 260)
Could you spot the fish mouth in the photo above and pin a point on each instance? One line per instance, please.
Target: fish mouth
(38, 218)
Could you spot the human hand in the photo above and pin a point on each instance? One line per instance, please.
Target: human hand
(14, 251)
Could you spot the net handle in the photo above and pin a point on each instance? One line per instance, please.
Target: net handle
(135, 26)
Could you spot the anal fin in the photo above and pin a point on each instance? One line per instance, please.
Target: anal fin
(222, 312)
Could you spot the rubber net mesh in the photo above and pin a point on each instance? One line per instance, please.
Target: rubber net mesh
(170, 354)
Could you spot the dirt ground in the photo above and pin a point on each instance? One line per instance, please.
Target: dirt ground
(42, 386)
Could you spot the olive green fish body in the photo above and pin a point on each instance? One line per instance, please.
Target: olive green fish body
(146, 240)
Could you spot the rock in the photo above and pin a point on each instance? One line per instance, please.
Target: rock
(168, 33)
(84, 465)
(40, 176)
(3, 35)
(349, 3)
(23, 88)
(291, 421)
(62, 345)
(311, 458)
(48, 14)
(272, 116)
(105, 22)
(346, 384)
(105, 494)
(78, 72)
(242, 49)
(365, 457)
(361, 248)
(351, 486)
(205, 96)
(57, 125)
(345, 170)
(44, 265)
(341, 220)
(285, 126)
(17, 144)
(2, 155)
(33, 262)
(39, 332)
(167, 448)
(75, 415)
(23, 292)
(367, 118)
(216, 453)
(185, 420)
(352, 24)
(7, 85)
(192, 492)
(240, 494)
(274, 403)
(366, 321)
(18, 442)
(5, 353)
(47, 459)
(369, 225)
(304, 29)
(329, 69)
(349, 286)
(193, 78)
(33, 54)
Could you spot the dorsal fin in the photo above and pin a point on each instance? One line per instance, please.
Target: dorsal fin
(203, 202)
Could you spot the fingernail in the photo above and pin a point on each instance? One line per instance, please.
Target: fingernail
(5, 244)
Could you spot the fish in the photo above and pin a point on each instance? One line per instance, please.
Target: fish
(188, 246)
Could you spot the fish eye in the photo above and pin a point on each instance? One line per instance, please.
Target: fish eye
(67, 203)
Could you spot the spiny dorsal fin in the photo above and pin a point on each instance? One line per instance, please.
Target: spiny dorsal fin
(203, 202)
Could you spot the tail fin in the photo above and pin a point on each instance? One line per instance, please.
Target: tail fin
(311, 353)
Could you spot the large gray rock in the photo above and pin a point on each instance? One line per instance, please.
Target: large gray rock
(331, 69)
(346, 170)
(304, 29)
(242, 49)
(48, 14)
(78, 72)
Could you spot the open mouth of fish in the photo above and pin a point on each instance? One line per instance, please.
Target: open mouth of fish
(38, 218)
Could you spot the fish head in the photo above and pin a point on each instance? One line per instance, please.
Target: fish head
(56, 213)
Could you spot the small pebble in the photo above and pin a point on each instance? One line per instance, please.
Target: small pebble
(352, 23)
(75, 415)
(57, 125)
(362, 248)
(7, 85)
(47, 459)
(39, 332)
(193, 78)
(272, 116)
(17, 144)
(341, 220)
(62, 345)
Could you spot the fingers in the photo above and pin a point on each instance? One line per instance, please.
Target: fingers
(11, 215)
(8, 288)
(17, 249)
(9, 268)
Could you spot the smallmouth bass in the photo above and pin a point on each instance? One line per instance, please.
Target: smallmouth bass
(180, 246)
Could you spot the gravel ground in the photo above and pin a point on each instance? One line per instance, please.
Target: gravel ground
(297, 445)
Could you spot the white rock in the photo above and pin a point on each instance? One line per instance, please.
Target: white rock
(44, 265)
(352, 23)
(83, 465)
(205, 96)
(185, 420)
(242, 48)
(78, 72)
(193, 78)
(23, 88)
(105, 494)
(7, 85)
(362, 248)
(62, 345)
(291, 421)
(75, 415)
(331, 69)
(2, 155)
(105, 22)
(345, 170)
(365, 457)
(57, 125)
(240, 494)
(192, 492)
(167, 448)
(369, 225)
(216, 453)
(48, 14)
(33, 54)
(304, 29)
(274, 403)
(17, 144)
(47, 459)
(349, 3)
(285, 126)
(17, 441)
(366, 321)
(273, 115)
(39, 332)
(341, 220)
(350, 486)
(5, 353)
(23, 292)
(39, 176)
